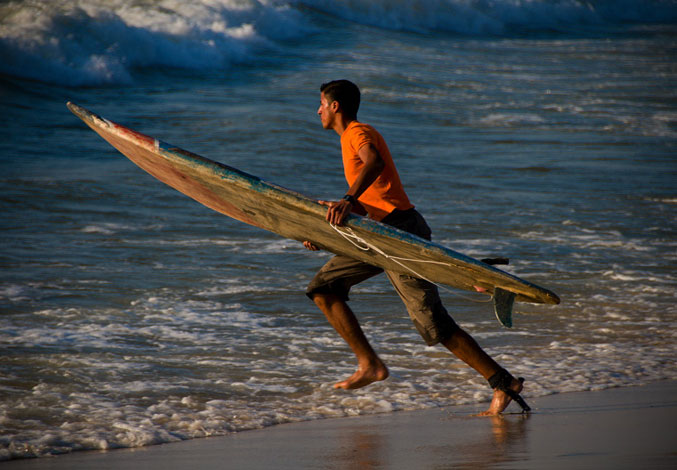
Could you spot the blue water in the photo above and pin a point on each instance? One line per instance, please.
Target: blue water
(545, 131)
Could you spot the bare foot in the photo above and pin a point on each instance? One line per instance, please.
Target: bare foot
(501, 400)
(363, 376)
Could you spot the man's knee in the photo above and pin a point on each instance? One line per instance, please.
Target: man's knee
(325, 300)
(319, 299)
(453, 337)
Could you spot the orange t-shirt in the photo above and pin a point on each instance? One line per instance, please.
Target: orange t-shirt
(386, 193)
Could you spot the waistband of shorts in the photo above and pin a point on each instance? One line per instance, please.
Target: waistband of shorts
(399, 215)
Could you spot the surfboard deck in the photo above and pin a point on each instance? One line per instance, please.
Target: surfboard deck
(251, 200)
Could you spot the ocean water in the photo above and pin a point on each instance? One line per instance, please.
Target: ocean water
(544, 131)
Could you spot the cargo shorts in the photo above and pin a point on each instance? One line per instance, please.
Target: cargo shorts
(420, 297)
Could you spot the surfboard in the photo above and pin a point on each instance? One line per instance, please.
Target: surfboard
(268, 206)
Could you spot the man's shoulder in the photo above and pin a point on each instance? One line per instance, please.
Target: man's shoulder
(361, 126)
(360, 129)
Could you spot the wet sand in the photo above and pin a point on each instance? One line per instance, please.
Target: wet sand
(620, 428)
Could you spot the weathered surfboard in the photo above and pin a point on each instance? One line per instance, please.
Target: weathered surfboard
(251, 200)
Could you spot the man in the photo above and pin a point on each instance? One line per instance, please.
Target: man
(375, 189)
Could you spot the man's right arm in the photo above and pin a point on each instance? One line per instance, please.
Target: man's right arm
(372, 168)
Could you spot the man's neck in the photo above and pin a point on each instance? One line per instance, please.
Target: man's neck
(342, 124)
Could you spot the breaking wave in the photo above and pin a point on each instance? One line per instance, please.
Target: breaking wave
(99, 42)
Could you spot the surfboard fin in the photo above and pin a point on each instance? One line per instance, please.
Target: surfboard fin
(503, 302)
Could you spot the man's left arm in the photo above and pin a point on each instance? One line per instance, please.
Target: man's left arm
(373, 167)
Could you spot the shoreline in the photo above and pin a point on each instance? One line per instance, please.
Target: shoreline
(629, 427)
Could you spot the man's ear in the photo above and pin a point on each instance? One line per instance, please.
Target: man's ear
(334, 106)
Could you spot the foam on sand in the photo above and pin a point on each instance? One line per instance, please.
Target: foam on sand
(617, 428)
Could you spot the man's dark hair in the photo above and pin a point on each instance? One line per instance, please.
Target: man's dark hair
(346, 93)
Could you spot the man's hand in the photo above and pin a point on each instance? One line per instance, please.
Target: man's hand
(310, 246)
(338, 211)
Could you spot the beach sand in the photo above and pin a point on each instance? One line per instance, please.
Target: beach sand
(619, 428)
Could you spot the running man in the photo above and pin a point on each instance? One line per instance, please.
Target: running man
(375, 190)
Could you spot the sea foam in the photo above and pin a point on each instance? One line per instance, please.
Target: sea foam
(93, 42)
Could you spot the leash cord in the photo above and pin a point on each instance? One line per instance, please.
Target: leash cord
(363, 245)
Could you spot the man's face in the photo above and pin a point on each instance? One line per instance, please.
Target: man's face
(327, 111)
